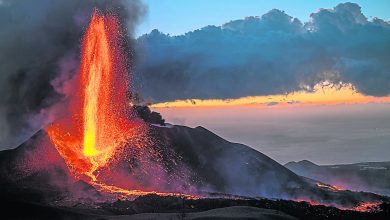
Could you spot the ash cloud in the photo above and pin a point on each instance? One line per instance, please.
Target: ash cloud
(39, 52)
(271, 54)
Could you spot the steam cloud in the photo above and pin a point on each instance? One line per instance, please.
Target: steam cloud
(39, 52)
(271, 54)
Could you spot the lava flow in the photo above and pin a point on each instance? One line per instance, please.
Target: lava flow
(361, 207)
(329, 187)
(100, 122)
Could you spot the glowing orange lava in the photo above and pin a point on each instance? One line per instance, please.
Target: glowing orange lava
(361, 207)
(96, 66)
(100, 122)
(329, 187)
(367, 207)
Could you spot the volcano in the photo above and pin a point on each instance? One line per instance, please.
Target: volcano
(102, 155)
(104, 142)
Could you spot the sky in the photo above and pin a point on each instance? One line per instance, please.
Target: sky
(177, 17)
(272, 54)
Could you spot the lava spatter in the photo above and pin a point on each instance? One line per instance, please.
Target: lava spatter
(100, 122)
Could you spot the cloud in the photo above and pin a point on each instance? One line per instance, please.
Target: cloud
(271, 54)
(39, 51)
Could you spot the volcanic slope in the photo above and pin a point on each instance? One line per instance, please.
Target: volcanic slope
(368, 176)
(216, 168)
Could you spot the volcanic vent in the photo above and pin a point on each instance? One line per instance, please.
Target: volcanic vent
(101, 127)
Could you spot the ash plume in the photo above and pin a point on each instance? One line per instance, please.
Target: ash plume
(39, 53)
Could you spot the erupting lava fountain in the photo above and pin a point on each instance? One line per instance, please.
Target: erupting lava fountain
(100, 120)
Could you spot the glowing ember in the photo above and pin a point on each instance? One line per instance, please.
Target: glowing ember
(361, 207)
(329, 187)
(100, 123)
(310, 202)
(367, 207)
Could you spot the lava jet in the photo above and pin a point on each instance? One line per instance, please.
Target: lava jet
(101, 122)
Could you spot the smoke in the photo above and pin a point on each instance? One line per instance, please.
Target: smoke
(39, 53)
(271, 54)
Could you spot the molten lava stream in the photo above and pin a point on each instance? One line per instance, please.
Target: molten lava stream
(329, 187)
(98, 124)
(361, 207)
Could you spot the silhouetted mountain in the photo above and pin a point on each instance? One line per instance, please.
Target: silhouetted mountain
(368, 176)
(223, 166)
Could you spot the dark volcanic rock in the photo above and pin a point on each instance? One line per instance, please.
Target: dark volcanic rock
(188, 208)
(35, 172)
(221, 166)
(179, 208)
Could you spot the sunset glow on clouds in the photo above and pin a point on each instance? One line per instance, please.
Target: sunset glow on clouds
(272, 54)
(323, 94)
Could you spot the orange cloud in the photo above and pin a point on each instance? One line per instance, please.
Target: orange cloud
(323, 94)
